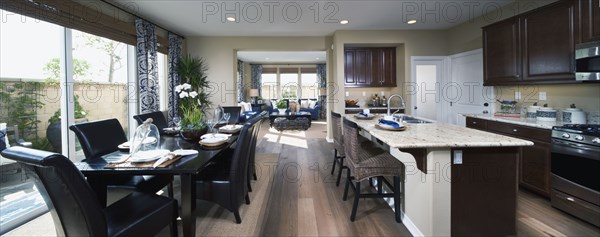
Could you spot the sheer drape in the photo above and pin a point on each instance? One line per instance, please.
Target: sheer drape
(173, 77)
(147, 66)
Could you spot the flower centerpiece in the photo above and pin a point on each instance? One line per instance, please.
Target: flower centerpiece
(193, 97)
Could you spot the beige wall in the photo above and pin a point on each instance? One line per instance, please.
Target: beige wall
(467, 36)
(221, 55)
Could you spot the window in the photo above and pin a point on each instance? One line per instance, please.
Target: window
(309, 86)
(269, 85)
(33, 61)
(289, 85)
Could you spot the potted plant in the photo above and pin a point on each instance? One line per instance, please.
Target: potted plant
(281, 106)
(53, 132)
(193, 96)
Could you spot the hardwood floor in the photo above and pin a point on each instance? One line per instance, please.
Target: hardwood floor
(296, 196)
(304, 200)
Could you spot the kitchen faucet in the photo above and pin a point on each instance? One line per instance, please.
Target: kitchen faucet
(389, 104)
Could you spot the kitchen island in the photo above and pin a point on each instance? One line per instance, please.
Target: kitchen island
(459, 181)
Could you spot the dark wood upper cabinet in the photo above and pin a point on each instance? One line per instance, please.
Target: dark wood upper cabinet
(502, 53)
(589, 20)
(537, 47)
(548, 43)
(370, 67)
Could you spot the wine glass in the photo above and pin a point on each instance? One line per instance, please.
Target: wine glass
(177, 121)
(226, 117)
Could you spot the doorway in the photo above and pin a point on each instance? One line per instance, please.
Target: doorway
(426, 79)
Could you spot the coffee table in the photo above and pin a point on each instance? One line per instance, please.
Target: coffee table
(290, 120)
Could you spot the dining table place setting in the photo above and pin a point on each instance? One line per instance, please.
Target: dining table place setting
(214, 140)
(147, 159)
(231, 128)
(365, 114)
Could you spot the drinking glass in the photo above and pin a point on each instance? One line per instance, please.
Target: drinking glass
(226, 117)
(177, 121)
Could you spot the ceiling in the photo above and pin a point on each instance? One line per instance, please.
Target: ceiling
(305, 18)
(282, 57)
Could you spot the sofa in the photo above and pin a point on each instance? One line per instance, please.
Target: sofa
(314, 110)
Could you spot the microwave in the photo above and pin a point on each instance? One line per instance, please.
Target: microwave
(587, 61)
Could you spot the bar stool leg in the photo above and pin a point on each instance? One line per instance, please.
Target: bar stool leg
(337, 183)
(380, 184)
(356, 198)
(397, 200)
(335, 157)
(347, 185)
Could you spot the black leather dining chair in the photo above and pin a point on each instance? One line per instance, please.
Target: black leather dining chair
(223, 181)
(234, 111)
(258, 120)
(98, 138)
(158, 119)
(75, 209)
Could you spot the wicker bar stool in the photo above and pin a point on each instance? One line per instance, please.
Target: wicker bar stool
(367, 162)
(338, 145)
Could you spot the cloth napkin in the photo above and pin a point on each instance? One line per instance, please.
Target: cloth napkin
(390, 123)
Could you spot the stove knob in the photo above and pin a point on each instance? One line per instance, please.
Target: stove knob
(596, 140)
(579, 138)
(566, 135)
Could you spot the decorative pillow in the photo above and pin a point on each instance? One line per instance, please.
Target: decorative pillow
(304, 104)
(312, 104)
(246, 107)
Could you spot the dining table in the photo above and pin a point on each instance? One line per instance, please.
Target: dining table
(185, 167)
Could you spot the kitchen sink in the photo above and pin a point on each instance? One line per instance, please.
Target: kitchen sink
(409, 119)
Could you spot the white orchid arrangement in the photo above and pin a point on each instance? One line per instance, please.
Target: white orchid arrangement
(191, 114)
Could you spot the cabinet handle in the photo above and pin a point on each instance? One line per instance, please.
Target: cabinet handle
(515, 130)
(519, 75)
(474, 122)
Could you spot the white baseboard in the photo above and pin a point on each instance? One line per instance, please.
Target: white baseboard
(329, 140)
(411, 226)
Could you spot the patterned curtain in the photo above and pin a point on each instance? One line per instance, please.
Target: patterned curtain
(322, 81)
(147, 66)
(321, 75)
(173, 77)
(240, 83)
(256, 79)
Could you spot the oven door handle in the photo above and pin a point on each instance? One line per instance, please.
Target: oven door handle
(580, 151)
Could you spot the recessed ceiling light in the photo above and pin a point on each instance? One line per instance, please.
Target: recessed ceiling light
(317, 58)
(411, 22)
(230, 18)
(343, 22)
(267, 58)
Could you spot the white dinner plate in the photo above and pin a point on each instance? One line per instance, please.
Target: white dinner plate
(231, 127)
(215, 135)
(146, 156)
(213, 141)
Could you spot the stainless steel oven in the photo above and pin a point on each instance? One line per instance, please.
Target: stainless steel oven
(575, 169)
(587, 61)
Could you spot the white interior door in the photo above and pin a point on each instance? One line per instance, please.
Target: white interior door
(464, 91)
(426, 79)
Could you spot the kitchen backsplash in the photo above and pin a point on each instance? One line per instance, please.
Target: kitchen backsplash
(584, 96)
(363, 100)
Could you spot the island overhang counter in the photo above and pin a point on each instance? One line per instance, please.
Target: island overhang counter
(458, 181)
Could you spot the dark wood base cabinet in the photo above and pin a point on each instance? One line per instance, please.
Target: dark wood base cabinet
(534, 161)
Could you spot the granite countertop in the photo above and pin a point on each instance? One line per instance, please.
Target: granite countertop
(520, 121)
(378, 107)
(436, 135)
